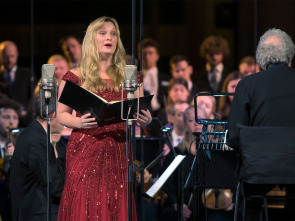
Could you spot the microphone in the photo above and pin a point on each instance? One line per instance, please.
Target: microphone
(130, 85)
(48, 89)
(130, 82)
(47, 79)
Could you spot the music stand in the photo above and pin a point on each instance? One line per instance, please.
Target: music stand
(215, 163)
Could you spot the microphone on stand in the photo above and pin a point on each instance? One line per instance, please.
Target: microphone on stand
(130, 85)
(48, 88)
(48, 92)
(130, 80)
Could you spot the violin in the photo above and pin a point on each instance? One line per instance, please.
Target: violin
(160, 196)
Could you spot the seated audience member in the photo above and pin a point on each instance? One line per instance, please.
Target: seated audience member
(178, 129)
(211, 77)
(181, 67)
(15, 81)
(209, 104)
(177, 91)
(28, 174)
(72, 49)
(169, 210)
(248, 66)
(229, 86)
(9, 119)
(154, 80)
(176, 111)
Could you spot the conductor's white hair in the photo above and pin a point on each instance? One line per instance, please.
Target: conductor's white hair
(281, 51)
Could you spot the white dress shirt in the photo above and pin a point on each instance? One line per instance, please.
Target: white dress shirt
(189, 85)
(151, 85)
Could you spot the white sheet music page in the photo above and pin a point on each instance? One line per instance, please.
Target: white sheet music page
(162, 179)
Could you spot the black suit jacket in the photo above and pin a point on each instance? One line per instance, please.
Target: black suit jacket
(266, 98)
(28, 177)
(21, 87)
(193, 93)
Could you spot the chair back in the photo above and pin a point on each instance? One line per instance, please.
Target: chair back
(267, 155)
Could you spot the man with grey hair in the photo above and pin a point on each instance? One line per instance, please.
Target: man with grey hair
(266, 98)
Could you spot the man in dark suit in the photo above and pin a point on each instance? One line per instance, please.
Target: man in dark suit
(28, 170)
(266, 98)
(182, 67)
(15, 81)
(154, 81)
(211, 78)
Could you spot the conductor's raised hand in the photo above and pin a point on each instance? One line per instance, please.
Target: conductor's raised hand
(87, 121)
(144, 118)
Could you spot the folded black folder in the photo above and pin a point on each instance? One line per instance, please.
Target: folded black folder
(84, 101)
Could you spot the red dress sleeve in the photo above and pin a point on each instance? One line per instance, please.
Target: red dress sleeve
(139, 78)
(72, 77)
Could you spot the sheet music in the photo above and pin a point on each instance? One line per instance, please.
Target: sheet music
(162, 179)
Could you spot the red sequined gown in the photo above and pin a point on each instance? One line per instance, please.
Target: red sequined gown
(95, 187)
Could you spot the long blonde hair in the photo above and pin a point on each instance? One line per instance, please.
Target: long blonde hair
(89, 66)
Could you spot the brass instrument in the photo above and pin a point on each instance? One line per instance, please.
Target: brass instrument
(9, 134)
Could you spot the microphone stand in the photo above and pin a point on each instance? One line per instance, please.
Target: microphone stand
(142, 175)
(47, 96)
(47, 100)
(48, 162)
(130, 163)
